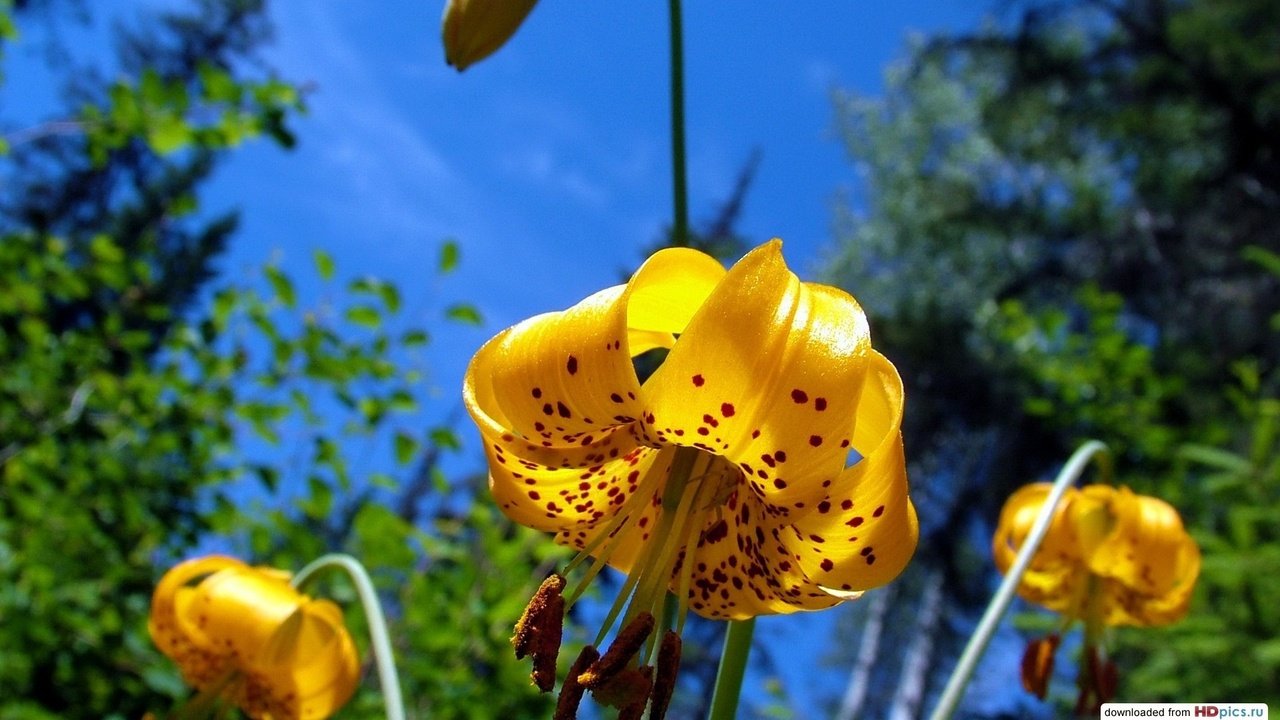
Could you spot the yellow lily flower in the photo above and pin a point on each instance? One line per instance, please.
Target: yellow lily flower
(244, 635)
(722, 477)
(475, 29)
(1110, 557)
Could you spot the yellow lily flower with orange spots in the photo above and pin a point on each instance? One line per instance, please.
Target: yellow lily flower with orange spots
(725, 476)
(243, 635)
(1110, 558)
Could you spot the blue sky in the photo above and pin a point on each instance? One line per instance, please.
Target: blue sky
(549, 162)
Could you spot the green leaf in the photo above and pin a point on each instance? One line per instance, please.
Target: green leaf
(464, 313)
(1215, 457)
(390, 296)
(445, 438)
(168, 133)
(281, 285)
(324, 264)
(415, 338)
(406, 447)
(104, 249)
(364, 316)
(450, 254)
(1266, 259)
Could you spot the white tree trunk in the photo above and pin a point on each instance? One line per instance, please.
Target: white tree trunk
(869, 647)
(915, 667)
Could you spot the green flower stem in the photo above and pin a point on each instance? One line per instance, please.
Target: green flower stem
(1070, 472)
(733, 664)
(679, 184)
(379, 639)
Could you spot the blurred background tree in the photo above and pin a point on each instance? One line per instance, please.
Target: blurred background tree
(1069, 232)
(148, 408)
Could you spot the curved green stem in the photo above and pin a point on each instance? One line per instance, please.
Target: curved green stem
(679, 186)
(380, 641)
(1004, 595)
(733, 665)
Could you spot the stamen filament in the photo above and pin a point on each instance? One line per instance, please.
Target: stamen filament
(633, 578)
(677, 479)
(653, 579)
(612, 533)
(687, 514)
(624, 513)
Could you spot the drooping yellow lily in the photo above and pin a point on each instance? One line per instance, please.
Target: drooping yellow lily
(1110, 557)
(475, 29)
(723, 477)
(245, 636)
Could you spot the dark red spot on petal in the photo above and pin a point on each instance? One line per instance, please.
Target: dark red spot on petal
(827, 564)
(726, 409)
(698, 380)
(537, 393)
(824, 506)
(780, 483)
(846, 505)
(855, 522)
(820, 404)
(815, 440)
(799, 396)
(564, 411)
(879, 511)
(572, 365)
(616, 397)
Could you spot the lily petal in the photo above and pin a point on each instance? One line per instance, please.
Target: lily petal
(556, 397)
(865, 530)
(312, 655)
(1054, 578)
(767, 374)
(1150, 561)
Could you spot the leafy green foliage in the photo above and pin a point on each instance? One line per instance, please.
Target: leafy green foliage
(136, 424)
(1067, 233)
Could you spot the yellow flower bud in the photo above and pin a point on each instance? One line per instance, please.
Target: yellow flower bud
(475, 29)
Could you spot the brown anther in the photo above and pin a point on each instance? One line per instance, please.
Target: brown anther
(1096, 682)
(624, 647)
(664, 682)
(627, 690)
(571, 691)
(1037, 665)
(538, 631)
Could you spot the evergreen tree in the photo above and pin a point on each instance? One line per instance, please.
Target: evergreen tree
(1066, 233)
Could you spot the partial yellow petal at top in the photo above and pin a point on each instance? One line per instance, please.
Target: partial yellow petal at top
(669, 288)
(767, 374)
(474, 29)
